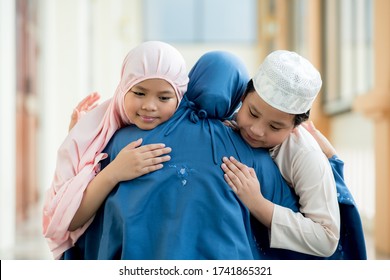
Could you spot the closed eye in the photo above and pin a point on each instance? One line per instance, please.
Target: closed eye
(274, 128)
(137, 93)
(253, 114)
(165, 98)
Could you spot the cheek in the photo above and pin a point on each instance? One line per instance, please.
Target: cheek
(130, 106)
(169, 110)
(240, 119)
(279, 137)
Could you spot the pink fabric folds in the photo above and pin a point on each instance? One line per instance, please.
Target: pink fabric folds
(79, 155)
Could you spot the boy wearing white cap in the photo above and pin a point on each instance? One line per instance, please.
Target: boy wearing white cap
(277, 100)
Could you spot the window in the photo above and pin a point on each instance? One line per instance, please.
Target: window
(201, 21)
(348, 52)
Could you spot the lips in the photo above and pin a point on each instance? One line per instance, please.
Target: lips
(252, 141)
(250, 138)
(147, 118)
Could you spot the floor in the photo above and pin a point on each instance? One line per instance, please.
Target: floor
(30, 245)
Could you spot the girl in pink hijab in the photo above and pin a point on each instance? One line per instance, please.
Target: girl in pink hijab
(153, 81)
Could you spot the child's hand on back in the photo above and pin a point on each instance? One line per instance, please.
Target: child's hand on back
(242, 179)
(324, 143)
(134, 160)
(231, 123)
(85, 105)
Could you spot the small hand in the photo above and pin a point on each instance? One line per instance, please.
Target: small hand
(242, 179)
(324, 143)
(85, 105)
(134, 160)
(231, 123)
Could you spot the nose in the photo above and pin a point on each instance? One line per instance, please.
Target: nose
(149, 104)
(257, 130)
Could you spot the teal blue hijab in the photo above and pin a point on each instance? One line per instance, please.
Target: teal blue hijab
(217, 83)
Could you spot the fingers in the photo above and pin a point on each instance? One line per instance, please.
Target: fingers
(309, 126)
(94, 96)
(92, 101)
(252, 172)
(73, 119)
(235, 172)
(326, 147)
(235, 166)
(230, 182)
(134, 144)
(88, 103)
(151, 154)
(231, 124)
(153, 160)
(150, 150)
(156, 161)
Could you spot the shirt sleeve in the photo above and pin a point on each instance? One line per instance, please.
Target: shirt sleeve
(315, 229)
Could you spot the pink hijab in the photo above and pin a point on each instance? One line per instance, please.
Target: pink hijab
(79, 155)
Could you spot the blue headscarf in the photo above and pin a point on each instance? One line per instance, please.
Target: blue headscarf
(217, 83)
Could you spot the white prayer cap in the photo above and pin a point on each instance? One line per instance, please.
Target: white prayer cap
(287, 82)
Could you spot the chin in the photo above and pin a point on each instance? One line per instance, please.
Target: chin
(144, 126)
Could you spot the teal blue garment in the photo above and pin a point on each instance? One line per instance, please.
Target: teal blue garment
(352, 245)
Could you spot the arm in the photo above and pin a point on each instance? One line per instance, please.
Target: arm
(244, 183)
(132, 161)
(314, 231)
(306, 168)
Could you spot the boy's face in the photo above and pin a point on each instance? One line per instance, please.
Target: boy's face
(261, 125)
(150, 103)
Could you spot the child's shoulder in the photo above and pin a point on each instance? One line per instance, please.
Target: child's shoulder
(299, 144)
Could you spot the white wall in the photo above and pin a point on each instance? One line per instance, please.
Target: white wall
(7, 124)
(248, 53)
(353, 138)
(63, 78)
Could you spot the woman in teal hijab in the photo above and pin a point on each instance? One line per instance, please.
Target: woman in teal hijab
(186, 210)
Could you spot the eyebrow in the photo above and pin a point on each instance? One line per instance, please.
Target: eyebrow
(281, 124)
(162, 91)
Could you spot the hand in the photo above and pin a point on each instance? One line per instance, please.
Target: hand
(324, 143)
(134, 160)
(231, 123)
(85, 105)
(242, 180)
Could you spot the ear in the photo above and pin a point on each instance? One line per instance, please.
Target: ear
(294, 129)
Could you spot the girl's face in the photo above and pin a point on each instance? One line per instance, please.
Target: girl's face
(150, 103)
(261, 125)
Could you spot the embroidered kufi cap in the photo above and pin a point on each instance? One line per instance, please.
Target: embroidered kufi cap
(287, 82)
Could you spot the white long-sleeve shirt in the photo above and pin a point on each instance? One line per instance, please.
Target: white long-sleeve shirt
(316, 229)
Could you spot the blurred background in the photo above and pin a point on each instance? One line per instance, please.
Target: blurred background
(54, 52)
